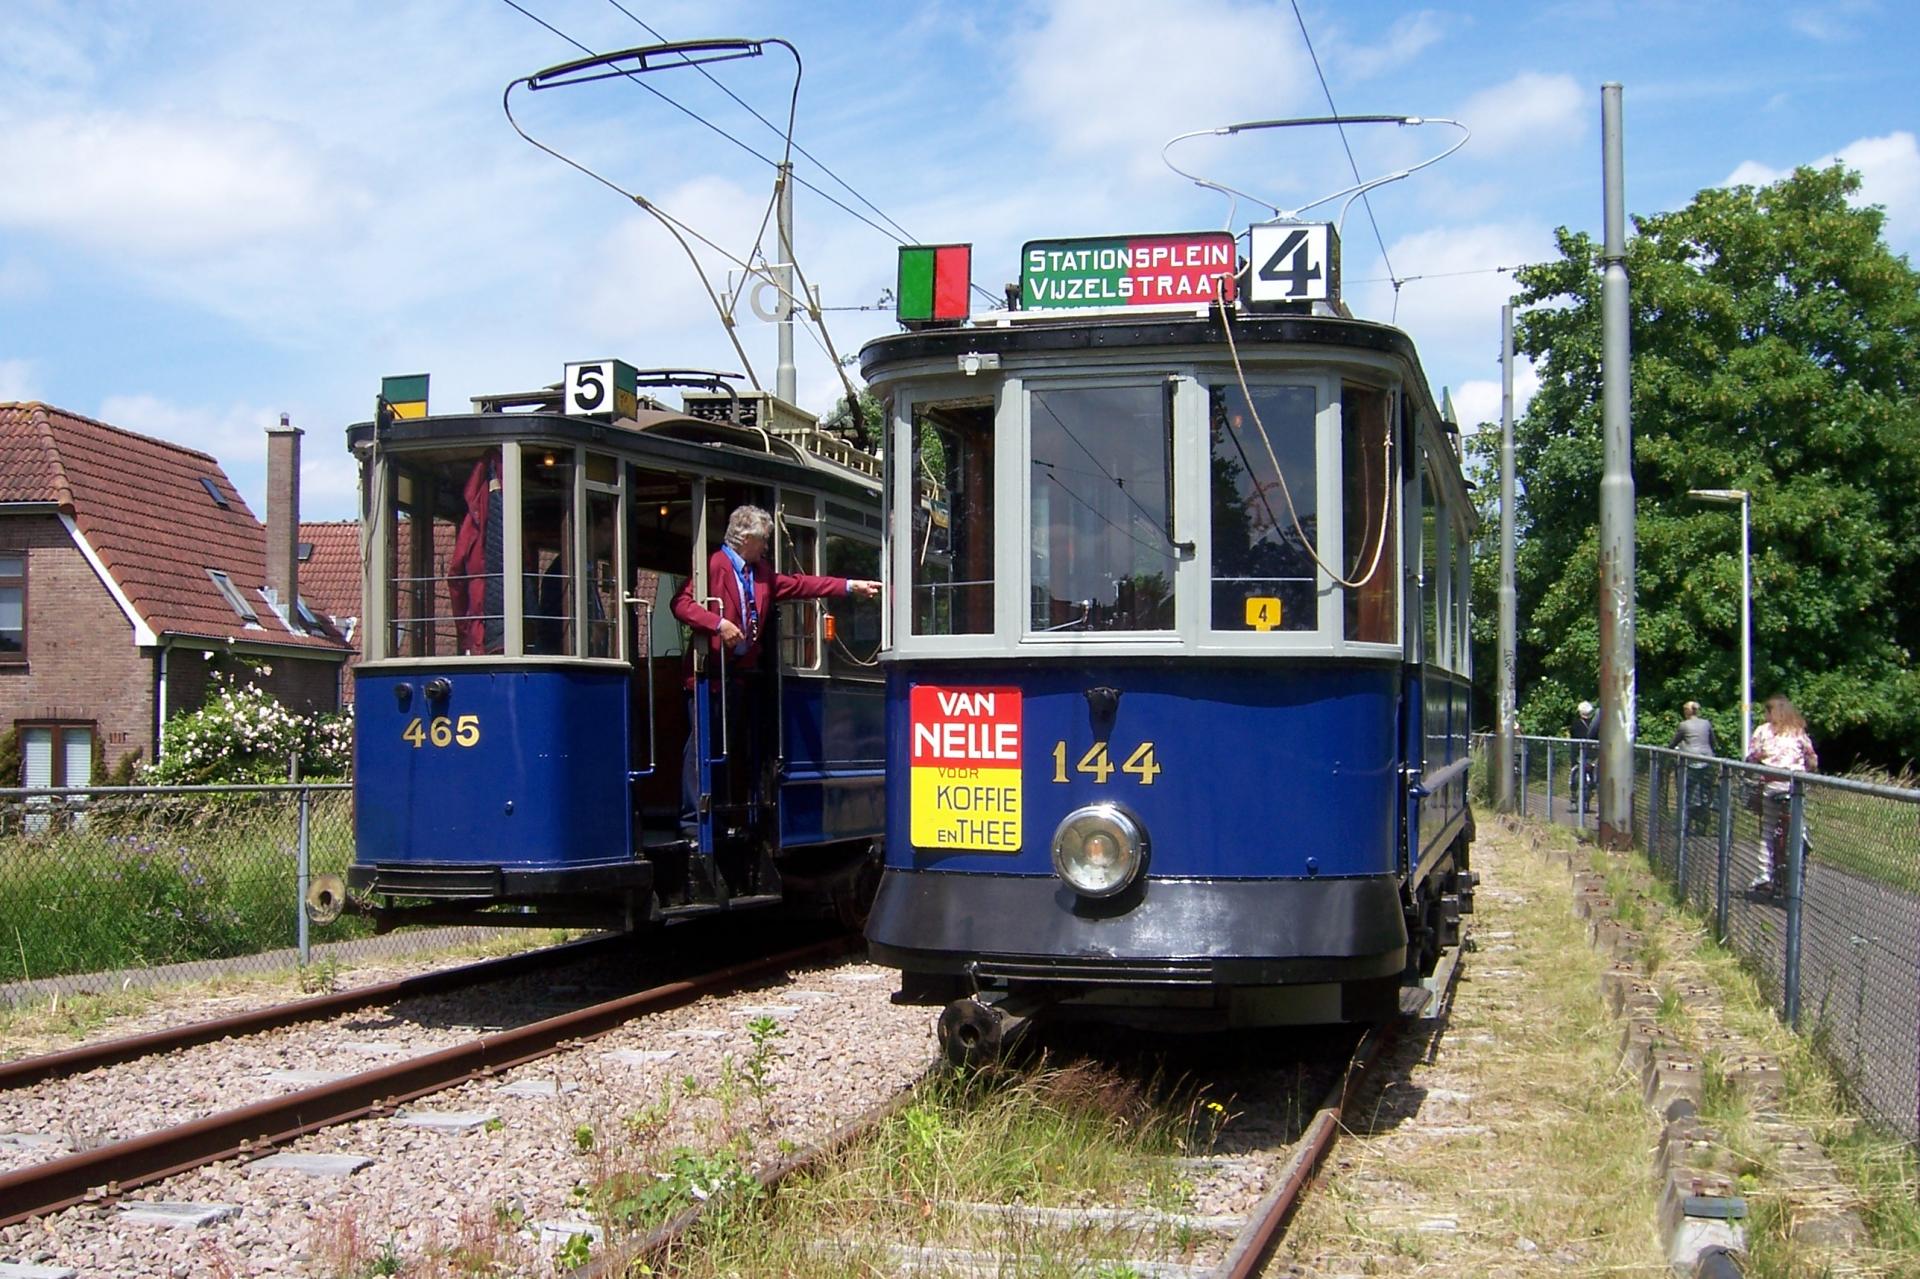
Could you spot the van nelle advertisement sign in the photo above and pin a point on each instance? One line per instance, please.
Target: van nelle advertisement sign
(965, 768)
(1185, 269)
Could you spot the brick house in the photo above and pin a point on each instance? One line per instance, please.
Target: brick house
(330, 583)
(130, 572)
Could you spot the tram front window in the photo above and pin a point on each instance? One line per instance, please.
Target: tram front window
(1265, 498)
(1102, 559)
(443, 568)
(953, 520)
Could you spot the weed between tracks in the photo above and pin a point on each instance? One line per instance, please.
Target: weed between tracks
(1046, 1136)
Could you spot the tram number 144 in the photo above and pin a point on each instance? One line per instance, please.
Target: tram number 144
(1098, 764)
(442, 731)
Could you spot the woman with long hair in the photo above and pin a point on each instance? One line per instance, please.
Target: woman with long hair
(1780, 742)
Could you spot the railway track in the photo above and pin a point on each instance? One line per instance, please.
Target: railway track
(24, 1072)
(1251, 1236)
(104, 1173)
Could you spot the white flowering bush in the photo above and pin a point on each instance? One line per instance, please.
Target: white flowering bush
(243, 734)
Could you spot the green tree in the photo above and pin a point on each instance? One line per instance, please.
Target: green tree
(1776, 348)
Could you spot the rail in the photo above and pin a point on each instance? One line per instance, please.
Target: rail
(1814, 881)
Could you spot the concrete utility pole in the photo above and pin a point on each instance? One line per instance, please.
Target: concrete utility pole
(1509, 702)
(784, 382)
(1617, 710)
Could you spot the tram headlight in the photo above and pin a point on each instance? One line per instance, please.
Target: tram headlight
(1098, 850)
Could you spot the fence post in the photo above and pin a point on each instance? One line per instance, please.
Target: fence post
(1580, 783)
(1724, 866)
(1653, 813)
(1686, 824)
(304, 874)
(1549, 783)
(1520, 792)
(1796, 870)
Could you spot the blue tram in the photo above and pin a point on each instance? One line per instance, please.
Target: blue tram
(1178, 665)
(525, 694)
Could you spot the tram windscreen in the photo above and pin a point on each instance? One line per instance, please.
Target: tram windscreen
(952, 513)
(443, 578)
(1101, 472)
(1266, 508)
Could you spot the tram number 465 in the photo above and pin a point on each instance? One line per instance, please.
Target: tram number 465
(442, 731)
(1099, 765)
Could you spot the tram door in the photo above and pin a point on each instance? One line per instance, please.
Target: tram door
(660, 541)
(736, 721)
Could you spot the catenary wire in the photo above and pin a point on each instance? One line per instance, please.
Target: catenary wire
(1352, 163)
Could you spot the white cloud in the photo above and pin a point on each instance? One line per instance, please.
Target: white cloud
(21, 278)
(162, 185)
(236, 436)
(16, 380)
(1410, 35)
(1889, 168)
(1530, 112)
(1477, 401)
(1123, 77)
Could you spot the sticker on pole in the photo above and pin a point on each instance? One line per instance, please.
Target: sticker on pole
(965, 761)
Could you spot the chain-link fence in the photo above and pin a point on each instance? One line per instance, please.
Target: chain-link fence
(1814, 881)
(110, 886)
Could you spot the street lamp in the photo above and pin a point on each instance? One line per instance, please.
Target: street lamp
(1728, 497)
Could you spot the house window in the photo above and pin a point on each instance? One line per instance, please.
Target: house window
(56, 755)
(213, 491)
(13, 606)
(233, 596)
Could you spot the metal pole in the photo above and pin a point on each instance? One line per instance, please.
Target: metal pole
(1796, 871)
(1549, 783)
(1617, 710)
(784, 382)
(1746, 625)
(1653, 813)
(1685, 803)
(1722, 890)
(1522, 797)
(1508, 699)
(304, 874)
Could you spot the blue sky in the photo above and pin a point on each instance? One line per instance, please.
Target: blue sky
(217, 212)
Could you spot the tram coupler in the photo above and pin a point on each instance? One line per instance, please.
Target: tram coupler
(977, 1032)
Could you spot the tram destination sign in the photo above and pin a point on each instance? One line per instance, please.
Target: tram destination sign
(1183, 269)
(965, 768)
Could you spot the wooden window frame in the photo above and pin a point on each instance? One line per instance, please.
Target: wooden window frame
(60, 728)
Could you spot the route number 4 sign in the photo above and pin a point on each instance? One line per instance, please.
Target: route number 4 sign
(1296, 262)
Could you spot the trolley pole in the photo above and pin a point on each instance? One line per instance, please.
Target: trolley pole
(1617, 709)
(784, 382)
(1508, 700)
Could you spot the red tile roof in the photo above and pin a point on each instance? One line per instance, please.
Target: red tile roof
(330, 577)
(141, 505)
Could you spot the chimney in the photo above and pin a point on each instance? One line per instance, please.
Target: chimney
(283, 516)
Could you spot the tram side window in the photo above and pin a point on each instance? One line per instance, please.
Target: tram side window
(1431, 580)
(1265, 497)
(1102, 559)
(853, 623)
(799, 619)
(952, 548)
(443, 569)
(546, 534)
(1368, 487)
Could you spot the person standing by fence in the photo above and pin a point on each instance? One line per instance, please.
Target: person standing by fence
(1781, 742)
(1585, 732)
(1695, 737)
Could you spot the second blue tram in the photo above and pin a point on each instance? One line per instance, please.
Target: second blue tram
(525, 694)
(1179, 667)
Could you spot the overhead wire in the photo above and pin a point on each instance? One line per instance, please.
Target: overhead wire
(1347, 147)
(898, 235)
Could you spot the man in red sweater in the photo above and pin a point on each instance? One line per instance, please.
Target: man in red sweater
(745, 589)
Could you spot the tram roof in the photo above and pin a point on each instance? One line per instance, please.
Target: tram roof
(1120, 334)
(666, 437)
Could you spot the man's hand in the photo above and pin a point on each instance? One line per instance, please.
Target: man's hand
(863, 587)
(729, 633)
